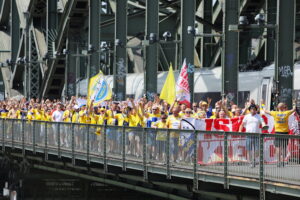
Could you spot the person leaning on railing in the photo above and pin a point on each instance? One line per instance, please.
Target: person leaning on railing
(281, 117)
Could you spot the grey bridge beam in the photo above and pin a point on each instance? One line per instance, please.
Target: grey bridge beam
(187, 42)
(271, 19)
(15, 32)
(151, 59)
(94, 37)
(285, 50)
(120, 57)
(206, 49)
(230, 51)
(51, 20)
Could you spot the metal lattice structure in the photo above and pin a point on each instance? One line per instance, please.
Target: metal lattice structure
(34, 68)
(96, 21)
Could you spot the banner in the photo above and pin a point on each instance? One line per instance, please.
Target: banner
(182, 86)
(99, 89)
(211, 146)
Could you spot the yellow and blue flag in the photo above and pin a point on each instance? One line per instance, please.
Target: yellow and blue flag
(99, 89)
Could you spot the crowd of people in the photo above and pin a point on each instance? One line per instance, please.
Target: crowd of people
(143, 113)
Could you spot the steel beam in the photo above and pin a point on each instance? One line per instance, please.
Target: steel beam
(244, 48)
(187, 42)
(51, 20)
(206, 50)
(34, 68)
(151, 59)
(15, 32)
(94, 37)
(285, 50)
(230, 51)
(120, 59)
(271, 19)
(70, 68)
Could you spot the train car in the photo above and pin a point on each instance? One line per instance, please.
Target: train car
(255, 85)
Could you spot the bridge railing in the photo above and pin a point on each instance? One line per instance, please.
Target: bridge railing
(264, 157)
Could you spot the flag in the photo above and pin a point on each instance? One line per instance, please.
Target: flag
(168, 90)
(182, 86)
(99, 89)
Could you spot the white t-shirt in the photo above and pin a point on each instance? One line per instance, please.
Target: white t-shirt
(58, 116)
(252, 123)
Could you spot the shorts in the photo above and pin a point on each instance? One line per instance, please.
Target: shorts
(151, 138)
(174, 146)
(130, 137)
(281, 142)
(252, 143)
(161, 146)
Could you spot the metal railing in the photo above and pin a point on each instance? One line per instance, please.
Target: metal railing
(264, 157)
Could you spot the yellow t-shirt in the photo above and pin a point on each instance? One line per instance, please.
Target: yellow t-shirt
(75, 117)
(121, 118)
(174, 123)
(4, 114)
(82, 117)
(281, 120)
(94, 118)
(101, 119)
(134, 120)
(67, 116)
(161, 135)
(37, 116)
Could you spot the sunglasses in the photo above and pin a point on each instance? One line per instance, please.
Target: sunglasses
(163, 118)
(188, 112)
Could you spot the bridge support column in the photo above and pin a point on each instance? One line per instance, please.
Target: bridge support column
(120, 60)
(271, 19)
(51, 25)
(15, 33)
(70, 68)
(151, 59)
(187, 42)
(206, 49)
(230, 51)
(285, 50)
(94, 37)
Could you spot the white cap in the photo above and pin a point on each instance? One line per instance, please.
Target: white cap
(76, 107)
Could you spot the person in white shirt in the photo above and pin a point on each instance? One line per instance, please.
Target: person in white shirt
(57, 116)
(252, 123)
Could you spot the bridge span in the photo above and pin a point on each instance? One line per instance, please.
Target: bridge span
(135, 158)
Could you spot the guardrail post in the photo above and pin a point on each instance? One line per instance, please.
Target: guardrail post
(168, 155)
(12, 134)
(145, 154)
(226, 185)
(123, 148)
(23, 137)
(46, 141)
(73, 143)
(33, 137)
(58, 140)
(88, 145)
(3, 136)
(195, 181)
(104, 150)
(261, 168)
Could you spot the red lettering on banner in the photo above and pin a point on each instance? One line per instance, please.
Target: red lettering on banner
(221, 124)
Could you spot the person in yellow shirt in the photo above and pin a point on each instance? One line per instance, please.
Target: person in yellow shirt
(173, 122)
(281, 117)
(66, 134)
(161, 137)
(3, 111)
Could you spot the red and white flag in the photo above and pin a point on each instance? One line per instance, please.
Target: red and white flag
(182, 86)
